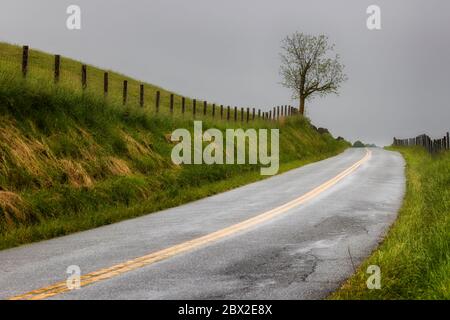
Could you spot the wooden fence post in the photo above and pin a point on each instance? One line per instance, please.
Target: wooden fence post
(194, 107)
(183, 105)
(141, 95)
(221, 111)
(83, 76)
(105, 84)
(158, 97)
(24, 61)
(57, 67)
(242, 114)
(171, 103)
(213, 110)
(228, 113)
(253, 114)
(125, 91)
(235, 114)
(259, 113)
(430, 144)
(205, 106)
(448, 141)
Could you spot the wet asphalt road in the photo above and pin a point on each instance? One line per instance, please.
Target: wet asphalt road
(301, 254)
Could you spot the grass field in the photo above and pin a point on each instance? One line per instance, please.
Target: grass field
(72, 160)
(415, 256)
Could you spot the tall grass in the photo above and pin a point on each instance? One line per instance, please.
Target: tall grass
(415, 256)
(72, 160)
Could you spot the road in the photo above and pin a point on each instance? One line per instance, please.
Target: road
(292, 236)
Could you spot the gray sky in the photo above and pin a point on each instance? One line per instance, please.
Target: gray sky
(227, 51)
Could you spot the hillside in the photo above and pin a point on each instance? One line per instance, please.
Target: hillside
(73, 160)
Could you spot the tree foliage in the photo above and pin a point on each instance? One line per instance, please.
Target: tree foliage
(309, 68)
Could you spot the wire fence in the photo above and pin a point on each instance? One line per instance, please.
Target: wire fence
(215, 111)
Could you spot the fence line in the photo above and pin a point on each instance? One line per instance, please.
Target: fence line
(432, 145)
(271, 115)
(105, 84)
(57, 67)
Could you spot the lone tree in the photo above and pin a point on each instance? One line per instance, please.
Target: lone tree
(308, 67)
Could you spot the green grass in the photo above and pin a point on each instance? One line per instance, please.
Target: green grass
(414, 258)
(72, 160)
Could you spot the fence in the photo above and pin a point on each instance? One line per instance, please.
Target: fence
(432, 145)
(246, 114)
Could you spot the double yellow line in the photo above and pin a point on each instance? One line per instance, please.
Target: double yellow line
(107, 273)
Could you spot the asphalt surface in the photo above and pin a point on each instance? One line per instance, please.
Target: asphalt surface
(301, 254)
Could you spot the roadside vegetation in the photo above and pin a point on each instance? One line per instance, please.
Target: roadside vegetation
(414, 258)
(73, 160)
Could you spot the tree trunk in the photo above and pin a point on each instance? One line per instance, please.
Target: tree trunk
(302, 106)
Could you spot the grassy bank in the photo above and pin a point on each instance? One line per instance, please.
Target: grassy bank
(415, 256)
(72, 160)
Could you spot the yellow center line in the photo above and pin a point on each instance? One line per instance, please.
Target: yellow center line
(107, 273)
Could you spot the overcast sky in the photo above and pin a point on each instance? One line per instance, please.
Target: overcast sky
(227, 51)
